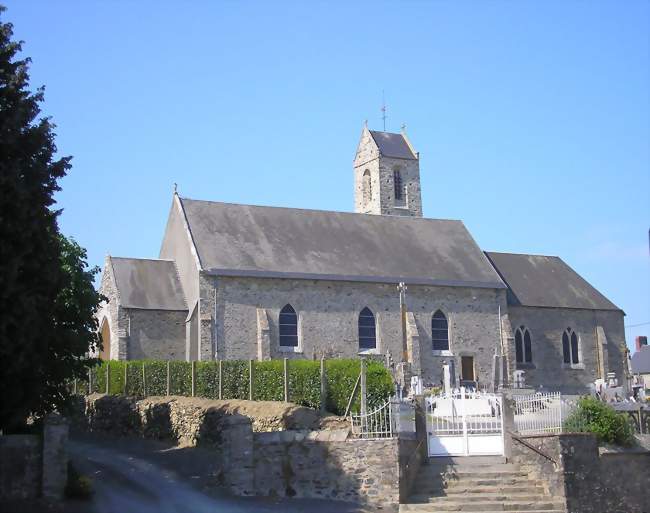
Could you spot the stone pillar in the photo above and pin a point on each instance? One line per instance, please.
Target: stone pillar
(237, 451)
(413, 344)
(263, 335)
(55, 456)
(508, 419)
(508, 349)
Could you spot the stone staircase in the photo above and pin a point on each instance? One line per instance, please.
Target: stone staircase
(473, 484)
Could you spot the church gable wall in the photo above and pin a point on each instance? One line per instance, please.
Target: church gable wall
(546, 326)
(328, 313)
(156, 334)
(176, 246)
(112, 313)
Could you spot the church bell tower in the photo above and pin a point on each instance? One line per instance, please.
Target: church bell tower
(386, 175)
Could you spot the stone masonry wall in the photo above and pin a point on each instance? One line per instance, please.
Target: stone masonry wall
(263, 448)
(111, 312)
(20, 466)
(590, 481)
(546, 326)
(328, 315)
(156, 334)
(320, 465)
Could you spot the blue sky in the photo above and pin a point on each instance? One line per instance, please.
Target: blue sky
(531, 118)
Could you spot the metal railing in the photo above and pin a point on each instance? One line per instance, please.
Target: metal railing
(540, 413)
(377, 423)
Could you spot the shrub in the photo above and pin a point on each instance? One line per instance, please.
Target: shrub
(268, 381)
(77, 486)
(304, 382)
(207, 380)
(593, 416)
(235, 379)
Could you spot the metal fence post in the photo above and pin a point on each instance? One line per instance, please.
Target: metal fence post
(323, 385)
(126, 375)
(75, 386)
(168, 378)
(90, 381)
(286, 381)
(144, 381)
(250, 380)
(108, 371)
(220, 376)
(193, 369)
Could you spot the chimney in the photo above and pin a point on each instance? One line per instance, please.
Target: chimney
(640, 342)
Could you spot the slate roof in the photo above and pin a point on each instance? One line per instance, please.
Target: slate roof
(392, 145)
(546, 281)
(148, 284)
(641, 361)
(294, 243)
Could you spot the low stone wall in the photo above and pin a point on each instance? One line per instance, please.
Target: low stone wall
(20, 466)
(33, 466)
(326, 464)
(589, 479)
(290, 459)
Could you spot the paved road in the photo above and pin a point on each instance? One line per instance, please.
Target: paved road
(138, 476)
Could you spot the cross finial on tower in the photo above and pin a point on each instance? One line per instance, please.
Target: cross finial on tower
(175, 188)
(383, 109)
(403, 128)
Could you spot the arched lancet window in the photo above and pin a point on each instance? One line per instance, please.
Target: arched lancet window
(288, 323)
(570, 347)
(367, 330)
(440, 332)
(367, 187)
(399, 187)
(523, 345)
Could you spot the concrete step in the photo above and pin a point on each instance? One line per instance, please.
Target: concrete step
(429, 508)
(461, 489)
(466, 460)
(476, 485)
(481, 497)
(485, 506)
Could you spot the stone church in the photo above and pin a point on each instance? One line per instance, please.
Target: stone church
(250, 282)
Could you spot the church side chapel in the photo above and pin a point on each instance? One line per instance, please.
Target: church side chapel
(252, 282)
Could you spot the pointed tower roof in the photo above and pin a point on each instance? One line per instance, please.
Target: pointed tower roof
(392, 145)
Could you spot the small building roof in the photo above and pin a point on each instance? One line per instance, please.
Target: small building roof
(546, 281)
(392, 145)
(148, 284)
(641, 361)
(246, 240)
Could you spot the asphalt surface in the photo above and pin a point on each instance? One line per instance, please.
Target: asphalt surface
(140, 476)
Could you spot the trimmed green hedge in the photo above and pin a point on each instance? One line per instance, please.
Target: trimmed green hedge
(126, 377)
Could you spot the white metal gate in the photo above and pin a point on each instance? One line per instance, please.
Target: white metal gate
(464, 423)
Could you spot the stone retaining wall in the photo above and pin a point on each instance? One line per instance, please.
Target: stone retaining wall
(288, 460)
(589, 479)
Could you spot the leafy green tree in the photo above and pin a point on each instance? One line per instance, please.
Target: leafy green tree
(46, 293)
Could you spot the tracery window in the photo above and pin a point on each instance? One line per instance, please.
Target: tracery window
(570, 347)
(523, 345)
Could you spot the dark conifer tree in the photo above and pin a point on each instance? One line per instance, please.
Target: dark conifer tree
(47, 296)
